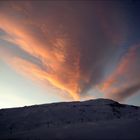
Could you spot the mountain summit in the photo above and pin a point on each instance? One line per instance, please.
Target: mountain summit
(92, 119)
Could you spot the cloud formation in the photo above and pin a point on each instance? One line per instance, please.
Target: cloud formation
(68, 44)
(124, 80)
(123, 93)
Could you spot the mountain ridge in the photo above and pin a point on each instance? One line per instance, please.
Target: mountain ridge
(69, 102)
(41, 121)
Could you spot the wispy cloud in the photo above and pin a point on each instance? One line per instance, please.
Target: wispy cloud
(73, 51)
(122, 82)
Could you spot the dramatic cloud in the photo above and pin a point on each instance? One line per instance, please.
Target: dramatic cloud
(69, 45)
(120, 84)
(120, 95)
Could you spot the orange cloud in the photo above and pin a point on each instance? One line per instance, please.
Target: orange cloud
(35, 73)
(64, 51)
(52, 57)
(122, 71)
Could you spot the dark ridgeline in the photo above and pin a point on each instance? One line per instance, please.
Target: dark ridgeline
(93, 119)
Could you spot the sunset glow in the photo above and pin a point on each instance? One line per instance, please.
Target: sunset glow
(70, 48)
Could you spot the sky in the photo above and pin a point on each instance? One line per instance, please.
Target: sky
(58, 51)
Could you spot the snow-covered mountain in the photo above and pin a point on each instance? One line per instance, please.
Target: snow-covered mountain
(92, 119)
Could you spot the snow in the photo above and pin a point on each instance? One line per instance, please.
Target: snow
(93, 119)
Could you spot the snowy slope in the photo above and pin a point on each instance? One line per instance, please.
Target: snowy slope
(93, 119)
